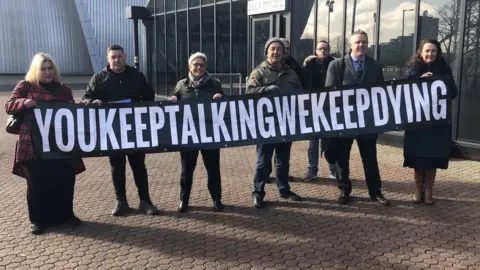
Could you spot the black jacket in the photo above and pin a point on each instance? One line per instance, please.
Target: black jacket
(204, 90)
(293, 64)
(435, 141)
(315, 73)
(108, 86)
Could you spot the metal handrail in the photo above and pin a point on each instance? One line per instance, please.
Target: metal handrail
(239, 75)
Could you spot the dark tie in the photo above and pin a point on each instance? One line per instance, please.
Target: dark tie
(359, 70)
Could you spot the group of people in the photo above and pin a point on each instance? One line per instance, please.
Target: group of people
(50, 183)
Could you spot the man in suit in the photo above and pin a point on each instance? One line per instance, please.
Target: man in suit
(357, 68)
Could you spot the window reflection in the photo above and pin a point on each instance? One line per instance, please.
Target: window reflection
(160, 60)
(469, 130)
(239, 37)
(361, 16)
(194, 29)
(329, 26)
(396, 40)
(171, 52)
(208, 34)
(182, 44)
(223, 39)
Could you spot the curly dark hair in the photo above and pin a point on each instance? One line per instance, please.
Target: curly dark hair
(412, 63)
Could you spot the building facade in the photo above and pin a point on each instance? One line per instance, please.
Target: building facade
(76, 33)
(232, 33)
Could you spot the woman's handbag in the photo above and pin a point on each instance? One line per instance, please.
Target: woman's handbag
(14, 122)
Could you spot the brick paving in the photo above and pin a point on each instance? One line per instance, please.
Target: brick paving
(313, 234)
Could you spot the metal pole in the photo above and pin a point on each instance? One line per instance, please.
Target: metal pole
(377, 30)
(344, 31)
(328, 26)
(166, 48)
(135, 44)
(230, 43)
(176, 43)
(239, 84)
(315, 21)
(417, 18)
(353, 15)
(401, 41)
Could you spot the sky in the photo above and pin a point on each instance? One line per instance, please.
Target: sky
(390, 19)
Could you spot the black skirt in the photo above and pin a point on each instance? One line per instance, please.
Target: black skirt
(426, 163)
(50, 189)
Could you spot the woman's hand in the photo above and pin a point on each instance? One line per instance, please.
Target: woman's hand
(173, 99)
(29, 103)
(427, 74)
(217, 96)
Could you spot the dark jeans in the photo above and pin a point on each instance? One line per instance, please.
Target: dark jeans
(367, 145)
(137, 163)
(264, 161)
(313, 155)
(50, 189)
(211, 159)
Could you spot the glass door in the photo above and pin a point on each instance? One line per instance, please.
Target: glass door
(262, 30)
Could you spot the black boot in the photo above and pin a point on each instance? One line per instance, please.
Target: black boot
(148, 208)
(36, 229)
(183, 207)
(74, 222)
(258, 202)
(218, 206)
(121, 208)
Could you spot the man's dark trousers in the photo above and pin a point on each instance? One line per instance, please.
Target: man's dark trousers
(137, 163)
(264, 161)
(367, 145)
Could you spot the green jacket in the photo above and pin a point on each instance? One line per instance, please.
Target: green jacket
(265, 75)
(185, 89)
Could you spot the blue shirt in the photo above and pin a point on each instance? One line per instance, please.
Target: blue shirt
(355, 62)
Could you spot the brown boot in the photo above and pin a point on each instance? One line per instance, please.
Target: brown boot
(429, 180)
(419, 176)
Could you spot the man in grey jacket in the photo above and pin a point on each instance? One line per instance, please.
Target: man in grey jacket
(357, 68)
(269, 78)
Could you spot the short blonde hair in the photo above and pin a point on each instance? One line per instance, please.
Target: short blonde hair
(33, 74)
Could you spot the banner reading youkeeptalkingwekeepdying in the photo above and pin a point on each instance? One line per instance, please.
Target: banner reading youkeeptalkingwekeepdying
(66, 130)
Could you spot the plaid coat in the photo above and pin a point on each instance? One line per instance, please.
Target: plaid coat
(24, 148)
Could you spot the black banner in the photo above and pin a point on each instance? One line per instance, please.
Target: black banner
(67, 130)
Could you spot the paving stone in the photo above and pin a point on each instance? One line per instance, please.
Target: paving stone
(313, 234)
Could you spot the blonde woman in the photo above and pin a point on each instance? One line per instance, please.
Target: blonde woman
(50, 183)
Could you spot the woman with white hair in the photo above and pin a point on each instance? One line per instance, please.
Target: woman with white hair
(200, 86)
(50, 183)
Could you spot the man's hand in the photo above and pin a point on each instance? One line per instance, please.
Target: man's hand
(97, 102)
(173, 99)
(86, 102)
(217, 96)
(272, 89)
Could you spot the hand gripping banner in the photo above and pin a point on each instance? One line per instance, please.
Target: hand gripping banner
(73, 130)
